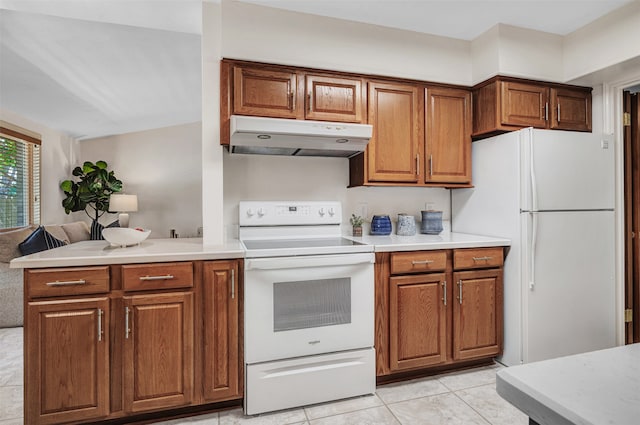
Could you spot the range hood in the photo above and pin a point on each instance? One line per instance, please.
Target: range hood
(276, 136)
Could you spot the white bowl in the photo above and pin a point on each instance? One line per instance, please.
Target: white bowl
(124, 236)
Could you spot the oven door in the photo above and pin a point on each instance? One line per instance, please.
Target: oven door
(306, 305)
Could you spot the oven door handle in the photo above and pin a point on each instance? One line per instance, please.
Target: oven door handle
(309, 261)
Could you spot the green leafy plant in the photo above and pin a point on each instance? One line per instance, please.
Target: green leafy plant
(91, 193)
(356, 220)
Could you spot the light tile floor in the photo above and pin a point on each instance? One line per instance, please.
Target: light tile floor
(458, 398)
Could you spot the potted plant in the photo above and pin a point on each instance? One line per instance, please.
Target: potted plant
(91, 193)
(356, 223)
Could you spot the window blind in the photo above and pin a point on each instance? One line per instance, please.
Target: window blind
(19, 182)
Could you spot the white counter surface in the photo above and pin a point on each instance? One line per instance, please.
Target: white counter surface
(184, 249)
(596, 388)
(419, 242)
(88, 253)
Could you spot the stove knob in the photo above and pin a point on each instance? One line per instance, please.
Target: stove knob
(261, 212)
(332, 212)
(249, 212)
(321, 212)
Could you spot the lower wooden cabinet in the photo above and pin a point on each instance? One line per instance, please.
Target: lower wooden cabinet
(158, 351)
(66, 360)
(223, 365)
(437, 315)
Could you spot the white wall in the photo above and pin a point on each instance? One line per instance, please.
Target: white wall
(57, 159)
(163, 167)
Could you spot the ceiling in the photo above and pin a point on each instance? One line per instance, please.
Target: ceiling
(93, 68)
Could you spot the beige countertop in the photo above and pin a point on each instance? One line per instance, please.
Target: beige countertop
(184, 249)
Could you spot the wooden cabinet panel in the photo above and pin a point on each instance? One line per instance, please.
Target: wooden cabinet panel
(158, 351)
(524, 104)
(266, 93)
(56, 282)
(478, 258)
(418, 261)
(393, 153)
(143, 277)
(571, 109)
(417, 314)
(222, 378)
(334, 99)
(447, 136)
(67, 360)
(477, 314)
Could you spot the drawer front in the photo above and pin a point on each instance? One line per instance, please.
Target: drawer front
(141, 277)
(477, 258)
(418, 262)
(67, 281)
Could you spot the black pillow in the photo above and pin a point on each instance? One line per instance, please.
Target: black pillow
(96, 229)
(39, 240)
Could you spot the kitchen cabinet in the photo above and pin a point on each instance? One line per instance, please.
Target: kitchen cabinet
(331, 98)
(222, 349)
(437, 309)
(447, 135)
(393, 153)
(506, 104)
(66, 360)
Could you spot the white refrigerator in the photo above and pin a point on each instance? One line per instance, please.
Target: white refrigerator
(552, 194)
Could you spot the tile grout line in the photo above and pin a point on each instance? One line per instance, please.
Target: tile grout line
(472, 408)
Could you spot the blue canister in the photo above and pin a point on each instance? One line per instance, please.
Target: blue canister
(380, 225)
(431, 222)
(406, 225)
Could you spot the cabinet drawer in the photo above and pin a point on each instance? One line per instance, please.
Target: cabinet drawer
(67, 281)
(418, 261)
(480, 258)
(141, 277)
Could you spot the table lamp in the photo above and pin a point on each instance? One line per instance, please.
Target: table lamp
(123, 203)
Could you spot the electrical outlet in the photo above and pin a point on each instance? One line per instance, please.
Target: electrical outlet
(429, 206)
(363, 209)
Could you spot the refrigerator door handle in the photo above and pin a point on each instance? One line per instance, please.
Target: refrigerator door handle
(532, 175)
(532, 249)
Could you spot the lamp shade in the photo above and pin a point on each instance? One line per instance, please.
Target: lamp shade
(120, 202)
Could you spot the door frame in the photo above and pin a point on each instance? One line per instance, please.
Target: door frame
(613, 131)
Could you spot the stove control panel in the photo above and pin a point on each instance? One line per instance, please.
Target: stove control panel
(289, 213)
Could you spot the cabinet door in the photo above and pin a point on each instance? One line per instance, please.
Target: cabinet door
(222, 357)
(524, 104)
(447, 136)
(417, 321)
(394, 150)
(266, 93)
(570, 109)
(67, 361)
(334, 99)
(158, 351)
(477, 314)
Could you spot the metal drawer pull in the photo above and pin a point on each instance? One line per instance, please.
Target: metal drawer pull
(165, 277)
(127, 329)
(100, 313)
(558, 112)
(414, 262)
(67, 282)
(233, 283)
(482, 258)
(460, 291)
(444, 298)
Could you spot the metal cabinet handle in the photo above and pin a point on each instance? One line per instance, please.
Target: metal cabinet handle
(233, 283)
(414, 262)
(418, 165)
(127, 329)
(546, 111)
(100, 313)
(482, 258)
(460, 291)
(310, 102)
(430, 165)
(558, 112)
(444, 288)
(165, 277)
(67, 282)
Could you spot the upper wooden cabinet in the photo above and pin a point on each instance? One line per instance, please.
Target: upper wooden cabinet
(393, 153)
(505, 104)
(331, 98)
(447, 135)
(266, 93)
